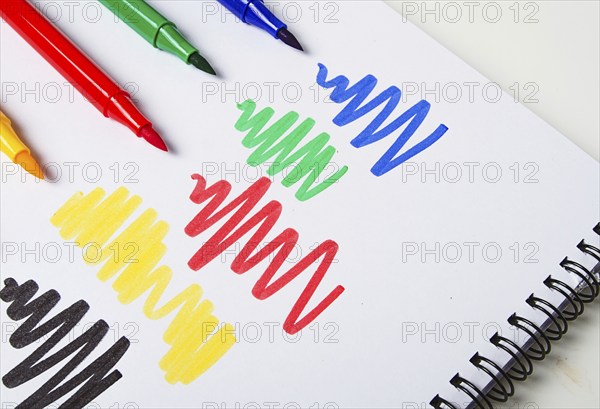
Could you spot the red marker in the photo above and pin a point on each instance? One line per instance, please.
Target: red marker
(77, 68)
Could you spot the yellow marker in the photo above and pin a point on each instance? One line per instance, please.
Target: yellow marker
(16, 150)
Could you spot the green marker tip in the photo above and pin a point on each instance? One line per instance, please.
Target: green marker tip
(200, 62)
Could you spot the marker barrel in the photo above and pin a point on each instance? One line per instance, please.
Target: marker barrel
(10, 144)
(96, 86)
(255, 12)
(152, 26)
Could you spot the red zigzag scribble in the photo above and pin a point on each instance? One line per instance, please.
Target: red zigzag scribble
(283, 244)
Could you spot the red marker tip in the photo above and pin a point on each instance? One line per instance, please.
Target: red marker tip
(153, 138)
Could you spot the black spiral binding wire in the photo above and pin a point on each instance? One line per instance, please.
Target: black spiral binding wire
(540, 341)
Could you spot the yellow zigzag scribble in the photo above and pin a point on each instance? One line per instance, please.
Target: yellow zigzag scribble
(90, 221)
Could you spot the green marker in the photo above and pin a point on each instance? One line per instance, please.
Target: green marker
(157, 30)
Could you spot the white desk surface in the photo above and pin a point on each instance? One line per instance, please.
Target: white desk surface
(549, 52)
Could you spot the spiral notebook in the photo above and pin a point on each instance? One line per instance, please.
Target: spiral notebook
(326, 232)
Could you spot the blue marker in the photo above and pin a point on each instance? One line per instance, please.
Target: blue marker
(255, 12)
